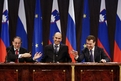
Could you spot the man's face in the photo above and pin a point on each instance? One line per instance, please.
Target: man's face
(16, 43)
(90, 44)
(57, 38)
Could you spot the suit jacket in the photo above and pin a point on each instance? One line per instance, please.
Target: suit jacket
(98, 55)
(12, 57)
(50, 56)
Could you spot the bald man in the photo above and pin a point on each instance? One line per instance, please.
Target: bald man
(56, 52)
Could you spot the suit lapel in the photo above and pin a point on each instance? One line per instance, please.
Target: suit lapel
(51, 47)
(95, 52)
(13, 50)
(87, 54)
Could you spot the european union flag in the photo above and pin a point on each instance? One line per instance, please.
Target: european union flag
(85, 24)
(37, 45)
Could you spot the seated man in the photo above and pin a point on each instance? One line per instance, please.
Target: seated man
(16, 53)
(56, 52)
(91, 53)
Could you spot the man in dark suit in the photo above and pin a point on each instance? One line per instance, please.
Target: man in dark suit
(56, 52)
(16, 53)
(91, 53)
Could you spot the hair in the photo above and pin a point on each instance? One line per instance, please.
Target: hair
(91, 37)
(17, 38)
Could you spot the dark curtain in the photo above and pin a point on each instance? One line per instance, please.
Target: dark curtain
(94, 7)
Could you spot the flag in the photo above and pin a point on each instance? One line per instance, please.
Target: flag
(85, 24)
(117, 41)
(103, 40)
(37, 45)
(71, 30)
(4, 38)
(55, 21)
(21, 25)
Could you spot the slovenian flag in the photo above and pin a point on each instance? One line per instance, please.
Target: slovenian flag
(21, 25)
(117, 41)
(103, 40)
(4, 38)
(55, 21)
(71, 30)
(37, 45)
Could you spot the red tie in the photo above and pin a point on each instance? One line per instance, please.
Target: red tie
(16, 52)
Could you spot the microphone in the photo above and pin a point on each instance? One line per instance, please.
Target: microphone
(55, 52)
(53, 58)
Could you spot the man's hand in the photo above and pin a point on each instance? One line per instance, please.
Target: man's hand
(25, 55)
(103, 60)
(75, 53)
(37, 55)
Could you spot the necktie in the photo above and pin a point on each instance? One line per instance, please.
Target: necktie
(16, 52)
(55, 52)
(56, 48)
(91, 56)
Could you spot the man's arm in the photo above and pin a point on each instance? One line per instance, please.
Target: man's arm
(78, 57)
(10, 55)
(104, 57)
(68, 56)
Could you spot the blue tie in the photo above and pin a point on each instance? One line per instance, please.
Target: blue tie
(56, 46)
(91, 56)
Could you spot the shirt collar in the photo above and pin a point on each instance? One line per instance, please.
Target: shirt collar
(92, 48)
(57, 45)
(15, 49)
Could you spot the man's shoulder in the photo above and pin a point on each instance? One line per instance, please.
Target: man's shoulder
(84, 49)
(63, 44)
(99, 48)
(24, 49)
(10, 47)
(48, 46)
